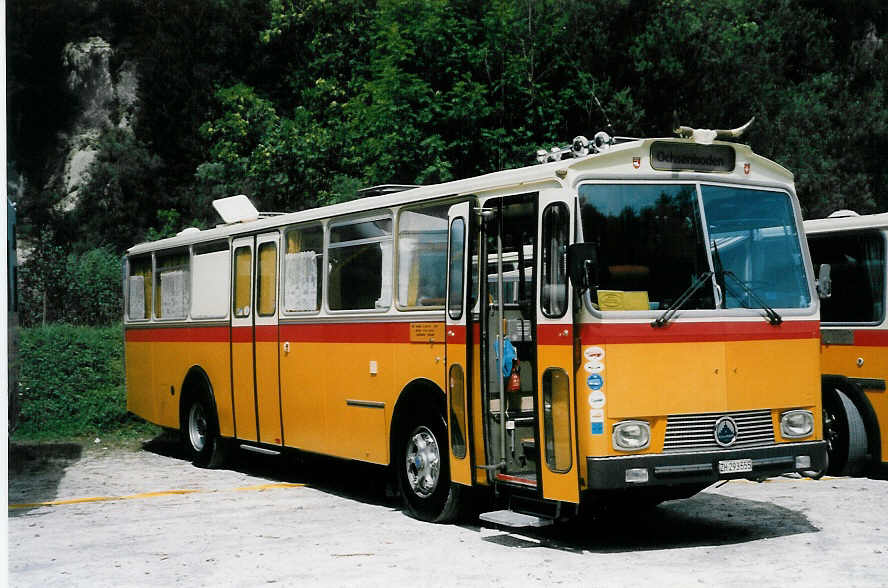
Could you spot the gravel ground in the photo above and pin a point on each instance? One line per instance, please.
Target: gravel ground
(153, 519)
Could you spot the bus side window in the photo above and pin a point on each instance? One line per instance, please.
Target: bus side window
(553, 294)
(360, 259)
(266, 279)
(139, 290)
(211, 280)
(243, 261)
(856, 261)
(303, 263)
(422, 256)
(171, 288)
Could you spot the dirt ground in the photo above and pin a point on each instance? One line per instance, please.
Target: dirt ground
(143, 516)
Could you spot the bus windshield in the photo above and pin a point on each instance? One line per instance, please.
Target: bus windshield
(755, 248)
(652, 246)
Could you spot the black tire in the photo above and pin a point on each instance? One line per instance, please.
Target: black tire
(422, 465)
(845, 435)
(200, 433)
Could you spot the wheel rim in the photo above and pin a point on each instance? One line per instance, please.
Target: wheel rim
(423, 462)
(830, 431)
(197, 427)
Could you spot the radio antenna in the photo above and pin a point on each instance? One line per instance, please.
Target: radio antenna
(610, 127)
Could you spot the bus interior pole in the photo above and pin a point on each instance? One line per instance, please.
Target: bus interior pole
(501, 340)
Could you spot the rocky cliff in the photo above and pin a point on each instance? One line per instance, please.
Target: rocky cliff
(107, 97)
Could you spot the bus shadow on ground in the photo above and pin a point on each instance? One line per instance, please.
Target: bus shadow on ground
(706, 520)
(35, 472)
(354, 480)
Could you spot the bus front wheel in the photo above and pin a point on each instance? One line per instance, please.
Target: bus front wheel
(423, 470)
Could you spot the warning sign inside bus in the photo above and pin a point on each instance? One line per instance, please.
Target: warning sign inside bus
(669, 156)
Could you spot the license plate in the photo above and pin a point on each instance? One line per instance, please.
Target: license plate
(733, 466)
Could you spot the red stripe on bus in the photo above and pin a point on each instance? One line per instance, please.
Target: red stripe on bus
(697, 332)
(266, 333)
(263, 334)
(306, 333)
(242, 334)
(549, 334)
(866, 337)
(346, 333)
(456, 334)
(178, 335)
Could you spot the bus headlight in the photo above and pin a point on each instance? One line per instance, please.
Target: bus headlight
(796, 423)
(631, 435)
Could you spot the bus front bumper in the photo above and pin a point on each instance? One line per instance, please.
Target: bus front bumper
(670, 469)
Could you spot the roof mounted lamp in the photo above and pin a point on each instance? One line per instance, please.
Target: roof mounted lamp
(707, 136)
(579, 147)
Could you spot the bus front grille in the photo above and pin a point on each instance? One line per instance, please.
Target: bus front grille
(696, 432)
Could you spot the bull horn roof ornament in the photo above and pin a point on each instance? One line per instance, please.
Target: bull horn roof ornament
(707, 136)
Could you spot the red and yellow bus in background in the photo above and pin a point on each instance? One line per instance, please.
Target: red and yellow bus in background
(631, 318)
(854, 339)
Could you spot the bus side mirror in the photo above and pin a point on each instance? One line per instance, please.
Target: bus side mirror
(582, 260)
(823, 282)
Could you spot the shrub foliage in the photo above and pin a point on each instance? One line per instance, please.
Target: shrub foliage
(71, 381)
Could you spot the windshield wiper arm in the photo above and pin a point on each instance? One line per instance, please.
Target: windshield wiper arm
(681, 300)
(773, 317)
(770, 314)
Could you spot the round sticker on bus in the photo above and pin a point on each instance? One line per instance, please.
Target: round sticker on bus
(595, 382)
(593, 353)
(596, 399)
(594, 367)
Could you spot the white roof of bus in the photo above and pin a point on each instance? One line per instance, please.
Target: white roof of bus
(614, 163)
(849, 222)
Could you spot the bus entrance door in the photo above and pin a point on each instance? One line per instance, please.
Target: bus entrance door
(254, 339)
(508, 341)
(458, 340)
(556, 393)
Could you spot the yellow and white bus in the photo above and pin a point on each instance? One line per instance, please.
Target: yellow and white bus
(683, 349)
(854, 338)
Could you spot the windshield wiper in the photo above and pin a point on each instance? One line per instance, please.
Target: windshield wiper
(681, 300)
(773, 317)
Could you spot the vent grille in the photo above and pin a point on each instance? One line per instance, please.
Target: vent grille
(695, 432)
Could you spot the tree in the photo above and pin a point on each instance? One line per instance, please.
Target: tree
(120, 199)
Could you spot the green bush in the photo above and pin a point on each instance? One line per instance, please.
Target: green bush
(79, 289)
(94, 288)
(71, 381)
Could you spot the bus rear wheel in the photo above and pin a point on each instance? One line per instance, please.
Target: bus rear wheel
(200, 434)
(423, 470)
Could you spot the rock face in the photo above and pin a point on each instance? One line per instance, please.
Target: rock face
(106, 99)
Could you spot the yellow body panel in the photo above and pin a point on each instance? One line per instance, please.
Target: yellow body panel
(681, 378)
(477, 416)
(773, 374)
(558, 485)
(843, 360)
(302, 397)
(140, 399)
(649, 379)
(153, 367)
(460, 468)
(334, 404)
(244, 391)
(268, 393)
